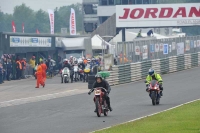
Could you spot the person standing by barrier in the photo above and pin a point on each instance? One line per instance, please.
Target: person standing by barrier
(4, 69)
(1, 73)
(44, 69)
(18, 69)
(39, 76)
(32, 63)
(23, 62)
(9, 69)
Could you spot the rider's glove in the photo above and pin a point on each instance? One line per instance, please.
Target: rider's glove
(89, 93)
(147, 85)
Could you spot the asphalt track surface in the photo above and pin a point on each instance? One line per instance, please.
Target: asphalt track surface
(74, 114)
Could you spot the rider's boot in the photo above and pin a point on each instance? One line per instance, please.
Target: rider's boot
(161, 94)
(61, 80)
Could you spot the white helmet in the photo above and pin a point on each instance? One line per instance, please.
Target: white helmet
(88, 60)
(65, 60)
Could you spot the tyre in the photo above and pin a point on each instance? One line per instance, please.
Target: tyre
(65, 80)
(153, 97)
(105, 111)
(158, 101)
(98, 107)
(76, 76)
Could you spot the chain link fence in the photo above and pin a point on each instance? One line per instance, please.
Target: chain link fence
(151, 49)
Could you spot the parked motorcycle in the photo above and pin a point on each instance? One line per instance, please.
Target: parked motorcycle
(100, 101)
(76, 70)
(81, 73)
(154, 91)
(65, 75)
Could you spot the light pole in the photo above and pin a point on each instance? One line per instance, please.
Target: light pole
(103, 49)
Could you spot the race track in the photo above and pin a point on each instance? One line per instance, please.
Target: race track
(74, 114)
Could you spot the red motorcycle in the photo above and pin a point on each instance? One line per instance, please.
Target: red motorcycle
(100, 101)
(154, 92)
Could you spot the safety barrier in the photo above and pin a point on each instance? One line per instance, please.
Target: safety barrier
(136, 71)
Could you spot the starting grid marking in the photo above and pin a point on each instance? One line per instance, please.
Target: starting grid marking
(40, 98)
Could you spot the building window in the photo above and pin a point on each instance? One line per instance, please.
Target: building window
(146, 2)
(131, 2)
(154, 1)
(103, 2)
(111, 2)
(102, 19)
(124, 2)
(139, 1)
(118, 2)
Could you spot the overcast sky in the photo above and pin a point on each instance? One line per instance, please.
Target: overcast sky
(7, 6)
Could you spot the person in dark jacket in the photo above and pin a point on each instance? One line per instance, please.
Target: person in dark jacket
(1, 73)
(102, 83)
(150, 32)
(66, 64)
(9, 69)
(4, 69)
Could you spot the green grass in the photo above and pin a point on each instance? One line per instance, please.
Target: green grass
(184, 119)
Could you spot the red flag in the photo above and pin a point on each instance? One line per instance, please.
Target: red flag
(37, 31)
(22, 27)
(13, 27)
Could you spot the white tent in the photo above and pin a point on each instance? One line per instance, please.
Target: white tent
(97, 42)
(73, 43)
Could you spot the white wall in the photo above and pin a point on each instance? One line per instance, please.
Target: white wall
(105, 10)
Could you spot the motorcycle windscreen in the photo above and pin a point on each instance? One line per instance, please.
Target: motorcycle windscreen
(153, 83)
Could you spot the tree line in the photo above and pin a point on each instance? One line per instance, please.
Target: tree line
(39, 19)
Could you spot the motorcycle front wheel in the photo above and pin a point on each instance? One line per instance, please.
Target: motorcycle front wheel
(98, 106)
(153, 97)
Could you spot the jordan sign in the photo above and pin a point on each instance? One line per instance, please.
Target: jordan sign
(158, 15)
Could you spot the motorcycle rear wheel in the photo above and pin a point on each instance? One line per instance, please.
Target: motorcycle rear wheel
(105, 111)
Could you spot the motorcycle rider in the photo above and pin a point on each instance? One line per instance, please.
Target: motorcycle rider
(102, 83)
(93, 63)
(154, 76)
(71, 60)
(81, 65)
(75, 64)
(65, 64)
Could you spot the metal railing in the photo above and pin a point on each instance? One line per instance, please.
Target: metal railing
(136, 71)
(144, 50)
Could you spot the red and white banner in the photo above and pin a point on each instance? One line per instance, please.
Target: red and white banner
(158, 15)
(72, 22)
(37, 31)
(51, 19)
(22, 27)
(13, 27)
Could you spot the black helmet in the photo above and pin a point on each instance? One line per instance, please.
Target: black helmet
(98, 76)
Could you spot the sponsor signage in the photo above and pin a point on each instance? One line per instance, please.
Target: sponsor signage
(157, 15)
(16, 41)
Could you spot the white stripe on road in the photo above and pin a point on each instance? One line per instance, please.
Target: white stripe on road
(146, 116)
(39, 98)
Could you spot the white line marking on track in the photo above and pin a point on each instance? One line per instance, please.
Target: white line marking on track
(35, 99)
(147, 115)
